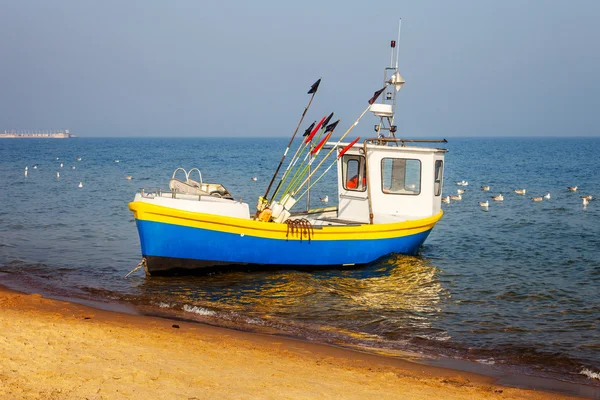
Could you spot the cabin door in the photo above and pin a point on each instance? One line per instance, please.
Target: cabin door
(353, 197)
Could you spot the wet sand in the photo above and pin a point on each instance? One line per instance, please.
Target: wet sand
(51, 349)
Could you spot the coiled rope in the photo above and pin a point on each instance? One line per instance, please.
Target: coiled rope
(299, 227)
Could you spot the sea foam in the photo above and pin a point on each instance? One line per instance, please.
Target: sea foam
(198, 310)
(590, 374)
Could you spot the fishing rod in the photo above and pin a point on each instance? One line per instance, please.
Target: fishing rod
(311, 156)
(310, 133)
(301, 166)
(344, 150)
(262, 200)
(371, 101)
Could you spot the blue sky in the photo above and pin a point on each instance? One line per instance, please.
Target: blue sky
(233, 68)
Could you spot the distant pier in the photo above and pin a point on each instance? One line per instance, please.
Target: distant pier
(52, 134)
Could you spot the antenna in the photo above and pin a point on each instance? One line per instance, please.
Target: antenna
(398, 49)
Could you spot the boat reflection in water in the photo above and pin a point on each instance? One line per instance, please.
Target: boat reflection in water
(383, 305)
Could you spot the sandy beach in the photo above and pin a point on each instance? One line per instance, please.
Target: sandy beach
(58, 350)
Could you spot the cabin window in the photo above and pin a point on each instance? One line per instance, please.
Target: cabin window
(401, 176)
(353, 173)
(437, 183)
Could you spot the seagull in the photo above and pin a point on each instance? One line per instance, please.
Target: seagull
(324, 199)
(446, 199)
(540, 198)
(78, 158)
(72, 167)
(456, 198)
(57, 174)
(129, 177)
(80, 185)
(485, 188)
(35, 167)
(498, 197)
(484, 204)
(547, 196)
(61, 165)
(520, 191)
(462, 183)
(585, 202)
(461, 191)
(254, 178)
(572, 188)
(587, 197)
(57, 158)
(26, 171)
(117, 161)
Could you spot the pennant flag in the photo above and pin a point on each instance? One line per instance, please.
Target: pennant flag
(376, 95)
(321, 143)
(314, 87)
(309, 129)
(309, 138)
(348, 147)
(332, 126)
(327, 120)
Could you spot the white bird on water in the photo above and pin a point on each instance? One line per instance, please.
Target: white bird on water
(540, 198)
(61, 165)
(446, 199)
(585, 202)
(26, 171)
(254, 178)
(72, 167)
(588, 197)
(498, 197)
(521, 191)
(324, 199)
(57, 174)
(484, 204)
(35, 167)
(485, 188)
(456, 198)
(80, 185)
(547, 196)
(461, 191)
(572, 188)
(129, 177)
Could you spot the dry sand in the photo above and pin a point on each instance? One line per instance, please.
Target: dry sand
(57, 350)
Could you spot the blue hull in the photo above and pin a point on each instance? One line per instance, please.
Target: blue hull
(169, 246)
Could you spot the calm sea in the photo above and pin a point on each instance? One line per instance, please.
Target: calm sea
(514, 287)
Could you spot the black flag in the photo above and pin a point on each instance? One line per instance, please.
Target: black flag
(309, 129)
(314, 87)
(327, 120)
(376, 95)
(332, 126)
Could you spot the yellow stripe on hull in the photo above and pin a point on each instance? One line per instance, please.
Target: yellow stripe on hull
(150, 212)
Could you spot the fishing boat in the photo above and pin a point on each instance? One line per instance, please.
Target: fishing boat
(389, 194)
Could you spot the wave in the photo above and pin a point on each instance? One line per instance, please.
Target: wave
(198, 310)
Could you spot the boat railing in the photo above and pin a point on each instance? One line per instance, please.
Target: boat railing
(402, 142)
(151, 193)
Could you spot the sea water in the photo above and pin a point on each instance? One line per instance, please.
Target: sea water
(513, 286)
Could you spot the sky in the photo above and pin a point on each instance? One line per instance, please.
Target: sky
(190, 68)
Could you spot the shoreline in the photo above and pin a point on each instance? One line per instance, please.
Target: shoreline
(77, 351)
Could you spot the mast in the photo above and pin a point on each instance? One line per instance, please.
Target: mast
(386, 110)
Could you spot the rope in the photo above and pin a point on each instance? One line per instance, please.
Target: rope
(140, 265)
(299, 227)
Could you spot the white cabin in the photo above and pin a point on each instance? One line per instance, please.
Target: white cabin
(393, 183)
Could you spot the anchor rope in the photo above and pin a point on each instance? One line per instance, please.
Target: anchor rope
(140, 265)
